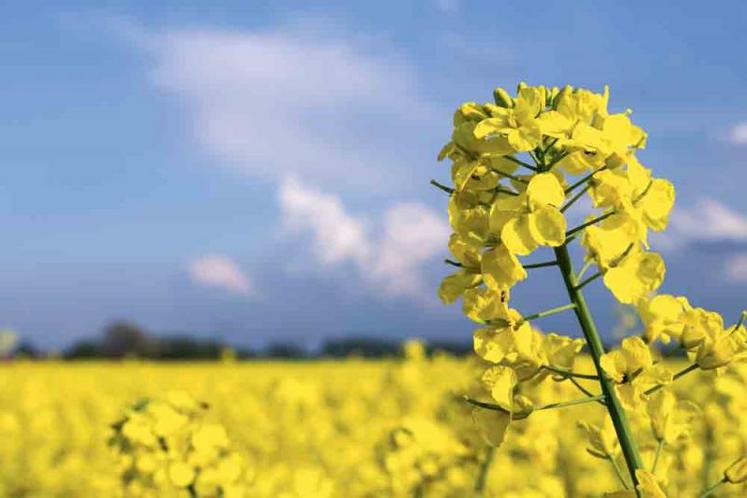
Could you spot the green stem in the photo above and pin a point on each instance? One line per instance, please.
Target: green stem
(589, 280)
(560, 157)
(559, 404)
(712, 488)
(676, 376)
(708, 455)
(549, 146)
(453, 263)
(574, 199)
(584, 179)
(614, 407)
(619, 472)
(551, 311)
(740, 322)
(659, 447)
(588, 223)
(419, 491)
(540, 265)
(513, 177)
(482, 475)
(566, 373)
(443, 187)
(483, 404)
(520, 163)
(506, 191)
(583, 389)
(584, 268)
(573, 402)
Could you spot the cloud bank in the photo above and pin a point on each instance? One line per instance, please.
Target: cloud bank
(390, 261)
(220, 272)
(738, 134)
(283, 102)
(710, 224)
(285, 105)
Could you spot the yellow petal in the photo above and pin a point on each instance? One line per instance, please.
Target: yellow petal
(516, 236)
(649, 486)
(489, 126)
(181, 474)
(530, 101)
(547, 226)
(525, 138)
(501, 382)
(580, 162)
(657, 203)
(639, 175)
(492, 425)
(610, 188)
(638, 274)
(737, 471)
(613, 364)
(446, 150)
(663, 316)
(608, 240)
(636, 353)
(501, 269)
(465, 249)
(454, 285)
(481, 304)
(561, 351)
(543, 189)
(554, 124)
(493, 344)
(499, 163)
(504, 209)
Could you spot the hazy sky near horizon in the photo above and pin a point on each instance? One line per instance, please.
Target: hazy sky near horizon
(259, 171)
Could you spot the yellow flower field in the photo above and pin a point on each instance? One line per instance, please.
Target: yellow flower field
(340, 429)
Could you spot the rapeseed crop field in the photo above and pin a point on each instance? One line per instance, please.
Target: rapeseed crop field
(325, 429)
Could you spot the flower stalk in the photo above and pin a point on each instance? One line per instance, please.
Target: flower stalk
(596, 348)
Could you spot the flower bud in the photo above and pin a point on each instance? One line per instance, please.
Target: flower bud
(563, 93)
(523, 407)
(502, 98)
(737, 471)
(471, 111)
(551, 95)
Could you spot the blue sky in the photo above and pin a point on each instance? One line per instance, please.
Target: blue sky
(259, 170)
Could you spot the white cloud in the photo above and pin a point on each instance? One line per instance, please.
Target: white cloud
(338, 236)
(736, 268)
(411, 235)
(220, 272)
(738, 134)
(707, 221)
(287, 102)
(304, 108)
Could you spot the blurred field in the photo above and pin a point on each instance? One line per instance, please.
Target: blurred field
(339, 429)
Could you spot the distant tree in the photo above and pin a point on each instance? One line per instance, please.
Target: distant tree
(190, 348)
(122, 338)
(368, 347)
(285, 350)
(26, 349)
(84, 349)
(456, 348)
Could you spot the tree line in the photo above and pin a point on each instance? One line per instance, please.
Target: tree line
(124, 339)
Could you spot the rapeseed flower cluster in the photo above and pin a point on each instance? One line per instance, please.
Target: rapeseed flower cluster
(167, 448)
(518, 166)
